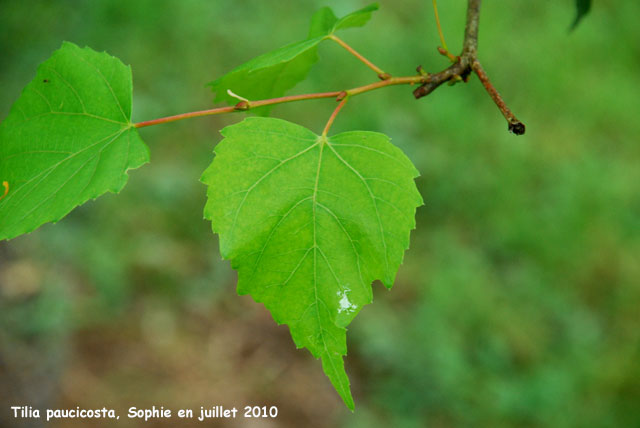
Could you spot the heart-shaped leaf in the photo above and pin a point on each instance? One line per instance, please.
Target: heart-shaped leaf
(309, 222)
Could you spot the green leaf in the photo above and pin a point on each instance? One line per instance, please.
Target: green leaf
(67, 139)
(582, 9)
(309, 222)
(268, 76)
(356, 19)
(324, 21)
(272, 74)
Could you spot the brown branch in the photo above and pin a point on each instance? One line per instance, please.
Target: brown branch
(467, 63)
(515, 125)
(470, 44)
(248, 105)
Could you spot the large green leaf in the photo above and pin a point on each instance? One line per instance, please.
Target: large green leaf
(309, 222)
(272, 74)
(67, 139)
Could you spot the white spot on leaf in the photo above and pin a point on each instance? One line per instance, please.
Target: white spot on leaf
(344, 303)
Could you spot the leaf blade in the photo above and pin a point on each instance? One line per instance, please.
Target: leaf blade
(67, 139)
(304, 228)
(322, 22)
(269, 75)
(356, 19)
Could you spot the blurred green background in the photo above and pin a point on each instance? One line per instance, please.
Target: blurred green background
(517, 304)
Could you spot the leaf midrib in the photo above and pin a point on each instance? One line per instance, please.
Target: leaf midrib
(323, 142)
(267, 174)
(320, 142)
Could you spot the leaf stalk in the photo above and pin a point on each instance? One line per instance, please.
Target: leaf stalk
(381, 74)
(334, 115)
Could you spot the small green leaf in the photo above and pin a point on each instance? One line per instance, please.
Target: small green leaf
(272, 74)
(356, 19)
(309, 223)
(67, 139)
(582, 9)
(324, 21)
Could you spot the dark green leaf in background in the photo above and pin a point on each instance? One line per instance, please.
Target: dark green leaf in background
(582, 9)
(272, 74)
(309, 223)
(67, 139)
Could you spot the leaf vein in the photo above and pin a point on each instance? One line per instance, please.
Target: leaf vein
(273, 229)
(66, 181)
(373, 200)
(104, 79)
(84, 109)
(50, 169)
(253, 186)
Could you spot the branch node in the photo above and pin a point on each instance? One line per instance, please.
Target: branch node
(421, 71)
(464, 65)
(244, 103)
(453, 58)
(456, 78)
(341, 96)
(242, 106)
(384, 76)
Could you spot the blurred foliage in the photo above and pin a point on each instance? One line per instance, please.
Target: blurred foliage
(582, 9)
(517, 304)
